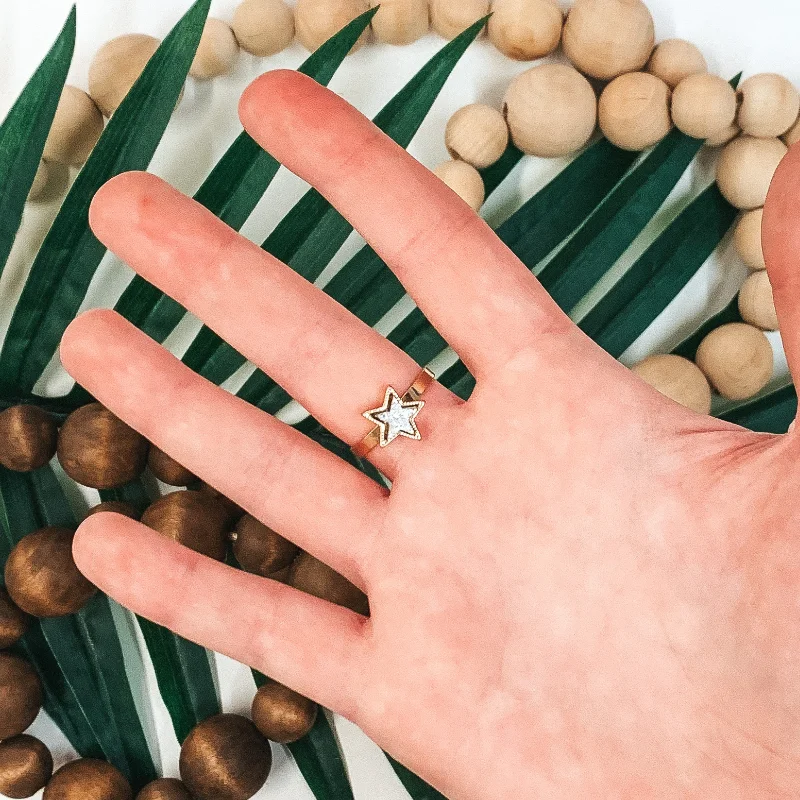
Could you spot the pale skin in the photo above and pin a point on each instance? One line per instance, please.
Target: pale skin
(578, 588)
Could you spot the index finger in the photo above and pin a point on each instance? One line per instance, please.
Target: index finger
(482, 298)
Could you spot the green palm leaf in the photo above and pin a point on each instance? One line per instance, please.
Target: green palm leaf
(772, 413)
(24, 132)
(70, 254)
(414, 785)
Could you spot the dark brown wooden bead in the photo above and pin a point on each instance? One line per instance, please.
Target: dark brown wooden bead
(13, 621)
(28, 437)
(88, 779)
(25, 766)
(20, 695)
(114, 507)
(225, 758)
(282, 575)
(282, 715)
(42, 577)
(193, 519)
(164, 789)
(167, 469)
(260, 550)
(99, 450)
(315, 578)
(235, 512)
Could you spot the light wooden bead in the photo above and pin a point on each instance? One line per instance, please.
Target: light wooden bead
(792, 136)
(525, 29)
(677, 378)
(477, 134)
(737, 359)
(676, 59)
(551, 110)
(756, 304)
(747, 239)
(316, 21)
(263, 27)
(605, 38)
(116, 67)
(746, 168)
(400, 21)
(703, 105)
(41, 183)
(464, 180)
(769, 105)
(451, 17)
(634, 111)
(217, 52)
(724, 136)
(76, 128)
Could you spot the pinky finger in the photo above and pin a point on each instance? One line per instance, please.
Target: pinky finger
(310, 645)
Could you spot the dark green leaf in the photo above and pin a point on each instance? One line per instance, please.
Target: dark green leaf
(688, 347)
(182, 668)
(234, 188)
(24, 133)
(415, 786)
(311, 234)
(647, 288)
(70, 254)
(772, 413)
(493, 176)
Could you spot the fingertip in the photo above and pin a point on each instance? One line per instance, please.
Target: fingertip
(96, 546)
(271, 93)
(81, 344)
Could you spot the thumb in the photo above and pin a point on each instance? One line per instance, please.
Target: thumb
(780, 237)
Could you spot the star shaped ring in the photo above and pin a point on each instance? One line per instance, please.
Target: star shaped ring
(396, 417)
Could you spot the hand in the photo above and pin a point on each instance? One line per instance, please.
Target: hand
(578, 588)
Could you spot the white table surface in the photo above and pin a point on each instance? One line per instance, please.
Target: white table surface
(734, 35)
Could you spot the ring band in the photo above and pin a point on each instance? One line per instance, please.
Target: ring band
(396, 417)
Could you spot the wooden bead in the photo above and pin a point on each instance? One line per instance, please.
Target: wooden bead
(40, 187)
(20, 695)
(634, 111)
(217, 52)
(193, 519)
(525, 29)
(745, 170)
(282, 715)
(551, 110)
(88, 779)
(677, 378)
(260, 550)
(225, 758)
(316, 21)
(234, 511)
(703, 106)
(747, 239)
(116, 67)
(42, 577)
(769, 105)
(25, 766)
(114, 507)
(263, 27)
(310, 575)
(724, 136)
(400, 21)
(28, 438)
(167, 469)
(99, 450)
(464, 180)
(737, 359)
(451, 17)
(792, 136)
(606, 38)
(76, 128)
(676, 59)
(13, 621)
(164, 789)
(477, 134)
(756, 304)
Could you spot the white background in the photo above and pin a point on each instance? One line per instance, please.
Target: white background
(734, 35)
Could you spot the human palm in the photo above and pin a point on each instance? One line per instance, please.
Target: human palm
(577, 587)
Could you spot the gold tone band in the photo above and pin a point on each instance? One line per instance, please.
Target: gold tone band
(421, 384)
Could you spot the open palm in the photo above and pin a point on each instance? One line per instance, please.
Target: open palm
(577, 587)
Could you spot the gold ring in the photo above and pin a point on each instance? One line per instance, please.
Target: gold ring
(396, 417)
